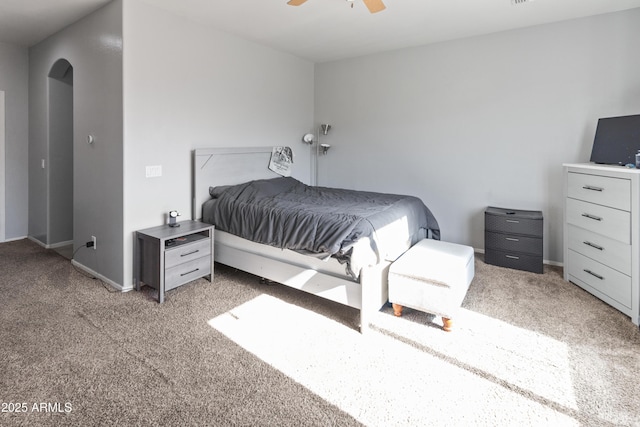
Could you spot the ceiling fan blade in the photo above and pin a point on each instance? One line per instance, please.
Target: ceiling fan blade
(295, 2)
(374, 6)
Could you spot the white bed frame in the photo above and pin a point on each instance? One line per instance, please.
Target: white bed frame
(229, 166)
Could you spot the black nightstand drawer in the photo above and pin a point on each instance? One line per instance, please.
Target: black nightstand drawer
(513, 243)
(511, 221)
(516, 260)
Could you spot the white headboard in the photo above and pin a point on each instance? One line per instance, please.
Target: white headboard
(227, 166)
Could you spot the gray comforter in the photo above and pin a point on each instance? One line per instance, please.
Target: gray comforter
(288, 214)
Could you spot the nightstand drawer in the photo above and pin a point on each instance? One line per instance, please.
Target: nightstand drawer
(513, 243)
(187, 252)
(603, 190)
(508, 221)
(603, 279)
(186, 272)
(612, 253)
(600, 219)
(516, 260)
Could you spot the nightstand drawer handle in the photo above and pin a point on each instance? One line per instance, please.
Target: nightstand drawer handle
(512, 239)
(189, 272)
(593, 274)
(600, 248)
(513, 221)
(589, 187)
(191, 253)
(593, 217)
(512, 257)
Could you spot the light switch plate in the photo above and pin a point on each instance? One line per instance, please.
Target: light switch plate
(153, 171)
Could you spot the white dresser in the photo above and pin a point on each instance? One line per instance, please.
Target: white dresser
(602, 233)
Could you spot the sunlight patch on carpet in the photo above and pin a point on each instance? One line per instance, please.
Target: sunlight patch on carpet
(522, 358)
(380, 380)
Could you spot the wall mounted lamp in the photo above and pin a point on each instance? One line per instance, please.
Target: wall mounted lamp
(309, 138)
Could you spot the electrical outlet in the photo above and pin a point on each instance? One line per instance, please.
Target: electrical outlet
(95, 242)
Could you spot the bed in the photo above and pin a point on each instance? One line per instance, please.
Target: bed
(334, 243)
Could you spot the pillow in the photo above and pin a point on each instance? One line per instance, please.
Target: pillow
(258, 188)
(216, 192)
(271, 187)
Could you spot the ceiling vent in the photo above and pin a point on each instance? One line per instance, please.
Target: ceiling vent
(517, 2)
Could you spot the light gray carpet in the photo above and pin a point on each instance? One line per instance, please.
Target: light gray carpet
(528, 349)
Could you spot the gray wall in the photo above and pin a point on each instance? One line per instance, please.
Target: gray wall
(188, 86)
(93, 46)
(14, 81)
(463, 124)
(486, 121)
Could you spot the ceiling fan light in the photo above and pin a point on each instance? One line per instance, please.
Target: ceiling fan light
(374, 6)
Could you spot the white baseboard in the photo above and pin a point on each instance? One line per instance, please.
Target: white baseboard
(34, 240)
(46, 246)
(95, 274)
(60, 244)
(13, 239)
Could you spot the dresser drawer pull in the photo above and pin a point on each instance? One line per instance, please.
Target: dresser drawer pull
(589, 187)
(513, 221)
(600, 248)
(191, 253)
(512, 257)
(189, 272)
(593, 274)
(593, 217)
(512, 239)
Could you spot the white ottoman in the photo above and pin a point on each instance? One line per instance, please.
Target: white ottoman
(433, 276)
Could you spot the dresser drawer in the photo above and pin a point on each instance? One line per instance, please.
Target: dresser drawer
(502, 221)
(610, 222)
(612, 253)
(514, 260)
(603, 190)
(603, 279)
(187, 252)
(186, 272)
(513, 243)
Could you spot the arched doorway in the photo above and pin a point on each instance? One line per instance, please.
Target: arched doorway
(60, 147)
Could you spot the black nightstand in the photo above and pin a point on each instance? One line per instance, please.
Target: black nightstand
(513, 239)
(167, 257)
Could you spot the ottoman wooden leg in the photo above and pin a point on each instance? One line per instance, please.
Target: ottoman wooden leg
(397, 309)
(446, 324)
